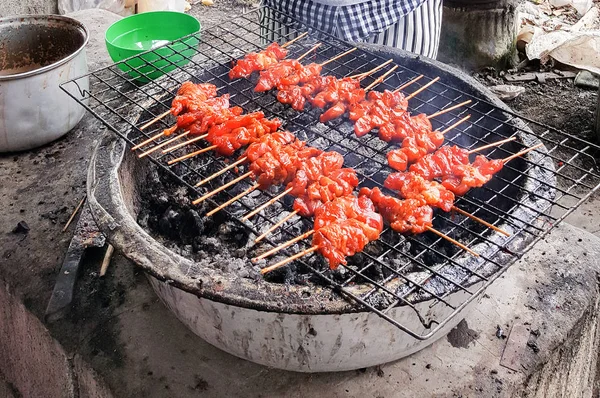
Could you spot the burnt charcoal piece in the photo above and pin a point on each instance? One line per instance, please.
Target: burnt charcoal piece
(233, 233)
(169, 223)
(190, 227)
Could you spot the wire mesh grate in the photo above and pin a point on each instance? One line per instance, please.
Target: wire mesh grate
(529, 197)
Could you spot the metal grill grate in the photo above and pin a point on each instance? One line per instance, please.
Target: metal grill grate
(423, 272)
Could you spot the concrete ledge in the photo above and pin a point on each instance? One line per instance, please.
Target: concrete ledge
(552, 293)
(33, 364)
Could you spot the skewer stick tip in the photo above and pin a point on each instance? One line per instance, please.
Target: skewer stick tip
(338, 56)
(289, 43)
(523, 152)
(453, 241)
(288, 260)
(156, 119)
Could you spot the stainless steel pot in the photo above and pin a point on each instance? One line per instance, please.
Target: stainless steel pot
(37, 54)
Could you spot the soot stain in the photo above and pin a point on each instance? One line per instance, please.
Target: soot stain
(461, 336)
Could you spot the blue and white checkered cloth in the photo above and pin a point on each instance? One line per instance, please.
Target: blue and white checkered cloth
(349, 20)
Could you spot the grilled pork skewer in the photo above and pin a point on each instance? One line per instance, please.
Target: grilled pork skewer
(188, 95)
(389, 207)
(272, 49)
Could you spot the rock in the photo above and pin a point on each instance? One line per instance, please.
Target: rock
(507, 92)
(587, 79)
(21, 228)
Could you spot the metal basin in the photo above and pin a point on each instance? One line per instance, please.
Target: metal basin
(38, 54)
(305, 328)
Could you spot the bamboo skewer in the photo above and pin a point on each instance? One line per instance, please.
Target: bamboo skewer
(266, 204)
(360, 76)
(106, 261)
(464, 119)
(163, 144)
(523, 152)
(479, 220)
(493, 144)
(313, 48)
(453, 241)
(230, 201)
(289, 43)
(191, 155)
(314, 248)
(338, 56)
(149, 140)
(381, 78)
(409, 83)
(74, 213)
(182, 144)
(275, 226)
(422, 88)
(449, 239)
(223, 170)
(204, 136)
(156, 119)
(284, 245)
(161, 116)
(446, 110)
(221, 188)
(288, 260)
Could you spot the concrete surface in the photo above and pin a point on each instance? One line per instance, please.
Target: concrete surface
(549, 291)
(120, 328)
(20, 7)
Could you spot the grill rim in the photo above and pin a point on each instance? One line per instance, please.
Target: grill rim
(280, 298)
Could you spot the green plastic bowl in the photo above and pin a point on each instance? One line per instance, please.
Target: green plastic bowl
(136, 34)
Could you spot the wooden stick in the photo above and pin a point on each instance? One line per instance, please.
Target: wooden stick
(408, 84)
(221, 188)
(230, 201)
(288, 260)
(375, 69)
(493, 144)
(283, 245)
(267, 204)
(381, 78)
(338, 56)
(309, 51)
(479, 220)
(523, 152)
(277, 225)
(106, 261)
(218, 173)
(289, 43)
(455, 124)
(449, 239)
(74, 212)
(156, 119)
(149, 140)
(446, 110)
(182, 144)
(191, 155)
(422, 88)
(162, 144)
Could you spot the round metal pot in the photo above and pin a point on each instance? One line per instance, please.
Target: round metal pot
(38, 54)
